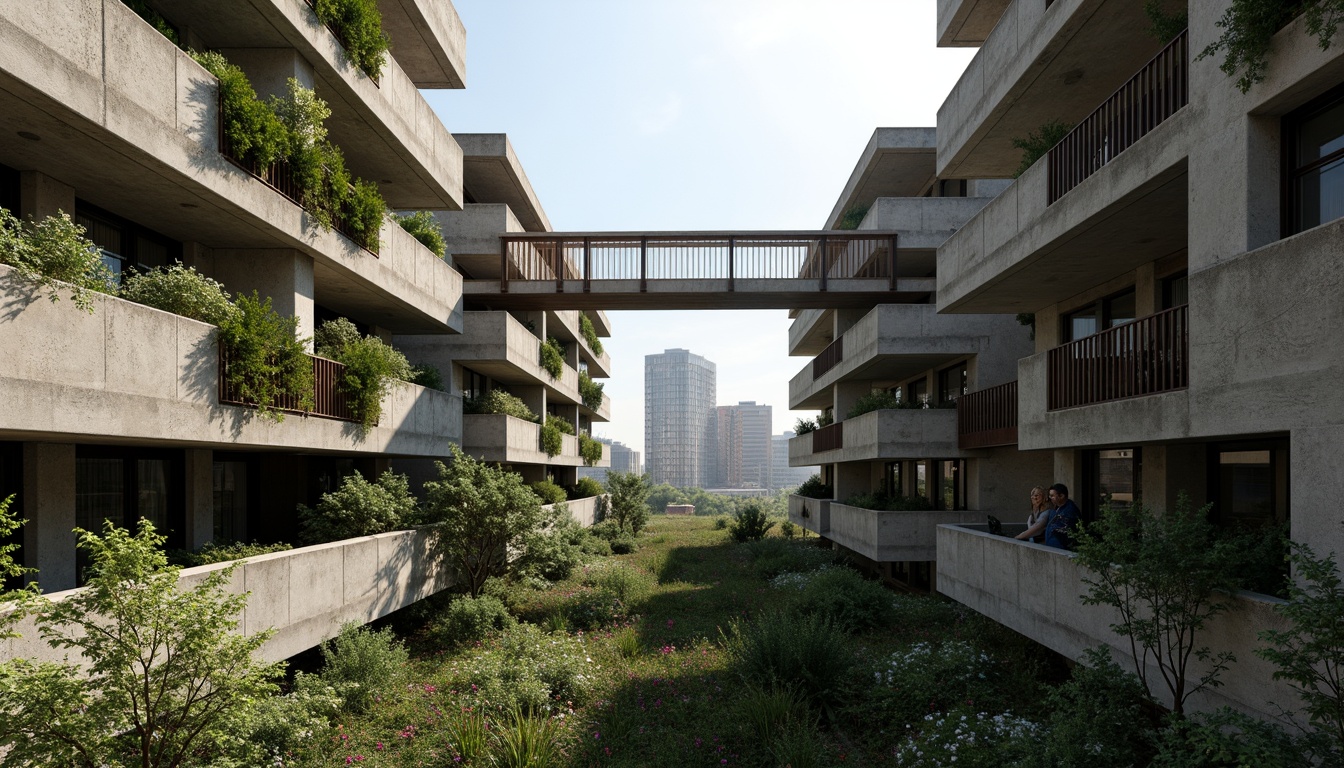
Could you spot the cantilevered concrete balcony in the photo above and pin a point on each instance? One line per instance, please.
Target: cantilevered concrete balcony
(897, 341)
(1041, 62)
(386, 129)
(967, 23)
(127, 373)
(496, 437)
(903, 433)
(1034, 590)
(132, 124)
(427, 40)
(812, 514)
(493, 175)
(892, 537)
(564, 325)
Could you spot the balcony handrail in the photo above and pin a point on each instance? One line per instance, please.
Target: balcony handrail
(831, 356)
(329, 401)
(1145, 357)
(988, 417)
(829, 438)
(1153, 94)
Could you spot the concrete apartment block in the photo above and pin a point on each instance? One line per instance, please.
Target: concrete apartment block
(966, 23)
(428, 40)
(812, 514)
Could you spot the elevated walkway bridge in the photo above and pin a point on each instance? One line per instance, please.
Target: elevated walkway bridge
(697, 270)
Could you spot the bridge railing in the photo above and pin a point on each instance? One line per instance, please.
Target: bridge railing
(820, 256)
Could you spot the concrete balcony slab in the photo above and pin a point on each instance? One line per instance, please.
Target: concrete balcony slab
(889, 435)
(812, 514)
(967, 23)
(888, 537)
(428, 41)
(496, 437)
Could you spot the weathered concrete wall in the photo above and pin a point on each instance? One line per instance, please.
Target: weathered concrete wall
(885, 435)
(812, 514)
(923, 222)
(967, 22)
(132, 373)
(1034, 590)
(496, 437)
(587, 511)
(888, 537)
(429, 41)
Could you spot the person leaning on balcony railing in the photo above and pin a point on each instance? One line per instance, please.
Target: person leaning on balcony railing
(1059, 523)
(1040, 510)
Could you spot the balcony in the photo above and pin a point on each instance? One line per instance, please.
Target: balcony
(890, 434)
(496, 437)
(987, 418)
(830, 357)
(812, 514)
(892, 537)
(1034, 590)
(1146, 357)
(966, 23)
(329, 402)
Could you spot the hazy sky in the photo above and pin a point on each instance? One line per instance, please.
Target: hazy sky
(696, 114)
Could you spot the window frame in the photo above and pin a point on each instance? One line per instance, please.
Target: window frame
(1290, 133)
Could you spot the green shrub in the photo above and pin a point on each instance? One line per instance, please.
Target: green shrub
(928, 677)
(853, 217)
(590, 334)
(424, 227)
(781, 650)
(586, 487)
(802, 426)
(847, 600)
(814, 488)
(527, 741)
(154, 19)
(333, 336)
(1248, 28)
(548, 491)
(769, 711)
(1036, 145)
(362, 664)
(1229, 739)
(499, 401)
(590, 391)
(590, 450)
(595, 546)
(788, 529)
(371, 365)
(629, 586)
(210, 552)
(267, 361)
(628, 494)
(561, 423)
(472, 620)
(884, 503)
(553, 357)
(720, 523)
(1097, 718)
(358, 24)
(360, 508)
(529, 670)
(427, 376)
(750, 524)
(877, 400)
(772, 557)
(180, 290)
(625, 544)
(552, 439)
(553, 551)
(252, 131)
(52, 250)
(826, 418)
(282, 725)
(363, 213)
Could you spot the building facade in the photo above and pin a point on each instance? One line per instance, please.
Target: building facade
(680, 436)
(745, 449)
(783, 476)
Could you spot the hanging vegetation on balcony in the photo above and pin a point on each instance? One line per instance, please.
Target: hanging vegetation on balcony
(424, 227)
(553, 357)
(590, 334)
(266, 363)
(552, 439)
(1248, 27)
(371, 365)
(358, 24)
(590, 391)
(590, 450)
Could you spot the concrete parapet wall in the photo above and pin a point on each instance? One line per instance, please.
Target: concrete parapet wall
(136, 374)
(497, 437)
(923, 222)
(1034, 590)
(887, 434)
(812, 514)
(587, 511)
(892, 536)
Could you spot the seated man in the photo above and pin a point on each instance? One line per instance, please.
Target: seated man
(1060, 523)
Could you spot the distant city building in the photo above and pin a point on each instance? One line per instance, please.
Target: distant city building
(744, 445)
(623, 459)
(782, 475)
(679, 416)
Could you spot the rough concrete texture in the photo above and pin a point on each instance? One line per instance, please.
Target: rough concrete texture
(131, 123)
(812, 514)
(966, 23)
(502, 439)
(492, 173)
(135, 374)
(428, 40)
(892, 537)
(887, 435)
(898, 341)
(588, 511)
(564, 325)
(897, 162)
(810, 332)
(1034, 590)
(305, 594)
(923, 222)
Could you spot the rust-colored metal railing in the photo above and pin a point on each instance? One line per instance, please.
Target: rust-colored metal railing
(829, 438)
(830, 357)
(1154, 94)
(821, 256)
(329, 401)
(988, 417)
(1145, 357)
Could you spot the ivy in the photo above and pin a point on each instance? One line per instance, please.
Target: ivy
(424, 227)
(267, 361)
(590, 391)
(590, 334)
(359, 26)
(553, 357)
(590, 450)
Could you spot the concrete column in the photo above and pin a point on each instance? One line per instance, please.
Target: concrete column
(49, 508)
(1317, 485)
(270, 69)
(283, 274)
(851, 479)
(41, 196)
(572, 355)
(534, 397)
(1147, 290)
(198, 464)
(1069, 471)
(844, 319)
(1049, 329)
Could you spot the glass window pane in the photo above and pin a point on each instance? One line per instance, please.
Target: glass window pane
(152, 496)
(922, 479)
(1177, 292)
(1120, 310)
(1115, 474)
(150, 254)
(1320, 195)
(1247, 487)
(230, 500)
(99, 493)
(1321, 135)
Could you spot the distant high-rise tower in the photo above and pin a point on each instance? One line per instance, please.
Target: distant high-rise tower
(679, 431)
(744, 445)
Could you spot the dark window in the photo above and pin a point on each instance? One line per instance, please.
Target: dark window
(1176, 291)
(952, 383)
(230, 499)
(473, 384)
(1099, 316)
(922, 478)
(952, 187)
(1249, 483)
(125, 245)
(9, 190)
(1313, 187)
(891, 479)
(1110, 481)
(123, 485)
(918, 391)
(952, 488)
(11, 484)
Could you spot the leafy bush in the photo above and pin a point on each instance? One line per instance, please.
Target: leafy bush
(358, 24)
(624, 544)
(788, 529)
(267, 362)
(750, 524)
(847, 600)
(424, 227)
(548, 491)
(553, 551)
(1248, 28)
(282, 725)
(364, 211)
(853, 217)
(210, 552)
(561, 423)
(1097, 718)
(627, 585)
(927, 677)
(552, 438)
(772, 557)
(586, 487)
(52, 250)
(802, 426)
(628, 492)
(720, 523)
(877, 400)
(826, 418)
(528, 670)
(472, 619)
(427, 376)
(779, 649)
(252, 131)
(360, 508)
(590, 334)
(590, 450)
(885, 503)
(552, 357)
(362, 664)
(814, 488)
(371, 365)
(1036, 145)
(499, 401)
(180, 290)
(590, 391)
(1232, 739)
(154, 19)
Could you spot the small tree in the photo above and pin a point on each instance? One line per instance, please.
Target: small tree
(1167, 575)
(750, 523)
(168, 681)
(628, 492)
(360, 508)
(483, 514)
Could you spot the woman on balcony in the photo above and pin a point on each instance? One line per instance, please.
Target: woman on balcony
(1037, 517)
